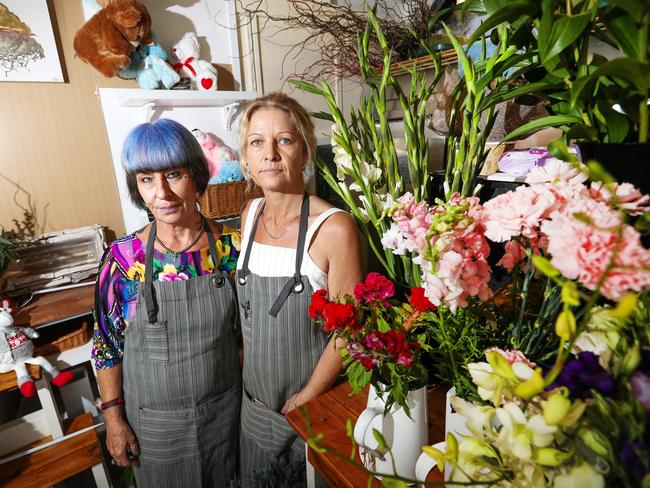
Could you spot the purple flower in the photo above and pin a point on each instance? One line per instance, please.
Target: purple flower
(630, 458)
(358, 353)
(583, 374)
(641, 388)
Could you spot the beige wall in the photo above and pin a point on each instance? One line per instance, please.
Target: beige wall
(54, 144)
(52, 136)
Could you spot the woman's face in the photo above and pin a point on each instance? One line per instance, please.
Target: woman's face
(275, 151)
(170, 195)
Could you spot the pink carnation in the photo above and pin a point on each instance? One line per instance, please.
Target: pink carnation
(519, 212)
(628, 196)
(583, 251)
(512, 356)
(555, 170)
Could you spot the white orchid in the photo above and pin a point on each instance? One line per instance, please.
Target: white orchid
(580, 476)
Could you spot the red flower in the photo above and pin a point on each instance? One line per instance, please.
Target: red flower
(375, 287)
(338, 316)
(318, 302)
(419, 301)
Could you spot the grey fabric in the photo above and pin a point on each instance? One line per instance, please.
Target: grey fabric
(280, 354)
(182, 382)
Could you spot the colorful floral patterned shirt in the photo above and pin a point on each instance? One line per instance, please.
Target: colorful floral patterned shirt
(123, 267)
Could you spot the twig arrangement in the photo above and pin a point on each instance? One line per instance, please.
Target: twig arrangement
(333, 31)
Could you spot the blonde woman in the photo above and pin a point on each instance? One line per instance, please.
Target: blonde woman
(293, 244)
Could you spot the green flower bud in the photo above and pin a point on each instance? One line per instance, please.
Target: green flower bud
(631, 360)
(595, 441)
(548, 456)
(531, 387)
(555, 408)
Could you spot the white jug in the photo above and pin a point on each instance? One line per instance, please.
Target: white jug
(404, 436)
(455, 424)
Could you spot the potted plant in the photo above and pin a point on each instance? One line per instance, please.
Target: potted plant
(598, 101)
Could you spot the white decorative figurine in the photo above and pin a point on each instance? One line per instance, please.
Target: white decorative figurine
(202, 73)
(16, 350)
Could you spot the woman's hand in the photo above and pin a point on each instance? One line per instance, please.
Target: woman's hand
(293, 402)
(121, 441)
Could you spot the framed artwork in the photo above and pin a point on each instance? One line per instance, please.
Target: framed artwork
(28, 50)
(91, 7)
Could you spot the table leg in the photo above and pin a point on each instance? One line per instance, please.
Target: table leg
(311, 474)
(46, 396)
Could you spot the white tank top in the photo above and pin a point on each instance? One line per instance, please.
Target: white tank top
(267, 260)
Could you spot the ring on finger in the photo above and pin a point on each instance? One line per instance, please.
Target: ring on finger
(114, 462)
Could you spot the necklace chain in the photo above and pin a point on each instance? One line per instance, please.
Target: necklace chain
(198, 235)
(282, 233)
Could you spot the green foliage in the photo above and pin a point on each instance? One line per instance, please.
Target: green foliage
(590, 98)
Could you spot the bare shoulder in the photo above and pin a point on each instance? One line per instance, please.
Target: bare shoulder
(338, 224)
(243, 213)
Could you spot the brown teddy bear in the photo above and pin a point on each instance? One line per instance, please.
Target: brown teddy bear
(109, 36)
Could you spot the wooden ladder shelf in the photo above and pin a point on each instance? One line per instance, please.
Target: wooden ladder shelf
(57, 462)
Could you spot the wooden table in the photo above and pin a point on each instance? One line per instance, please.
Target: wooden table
(328, 414)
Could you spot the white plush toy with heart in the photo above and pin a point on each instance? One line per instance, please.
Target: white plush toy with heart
(16, 350)
(202, 73)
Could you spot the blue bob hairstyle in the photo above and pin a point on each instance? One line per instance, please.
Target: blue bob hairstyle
(160, 146)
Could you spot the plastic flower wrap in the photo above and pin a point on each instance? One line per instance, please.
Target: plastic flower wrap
(380, 338)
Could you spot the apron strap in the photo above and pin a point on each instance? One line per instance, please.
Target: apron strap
(243, 273)
(295, 284)
(149, 293)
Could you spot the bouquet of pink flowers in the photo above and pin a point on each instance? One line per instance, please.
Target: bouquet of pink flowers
(380, 338)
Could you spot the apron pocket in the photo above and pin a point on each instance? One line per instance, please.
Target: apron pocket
(157, 343)
(168, 436)
(268, 428)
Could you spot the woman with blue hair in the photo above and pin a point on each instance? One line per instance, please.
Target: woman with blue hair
(164, 343)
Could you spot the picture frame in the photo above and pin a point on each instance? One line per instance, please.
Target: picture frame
(28, 48)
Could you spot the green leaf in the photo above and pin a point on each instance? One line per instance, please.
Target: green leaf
(382, 447)
(635, 72)
(466, 64)
(550, 121)
(559, 149)
(597, 173)
(323, 116)
(622, 31)
(308, 87)
(510, 13)
(564, 31)
(643, 222)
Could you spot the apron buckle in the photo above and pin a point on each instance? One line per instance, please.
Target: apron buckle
(242, 280)
(298, 286)
(219, 281)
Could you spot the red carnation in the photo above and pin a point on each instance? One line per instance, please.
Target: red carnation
(419, 301)
(375, 287)
(338, 316)
(318, 302)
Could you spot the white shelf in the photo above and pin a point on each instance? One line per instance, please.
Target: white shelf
(134, 97)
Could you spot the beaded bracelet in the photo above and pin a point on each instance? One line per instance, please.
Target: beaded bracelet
(111, 403)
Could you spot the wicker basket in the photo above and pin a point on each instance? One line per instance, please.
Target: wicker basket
(226, 199)
(79, 336)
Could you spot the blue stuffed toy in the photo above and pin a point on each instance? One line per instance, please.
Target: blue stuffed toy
(228, 172)
(150, 68)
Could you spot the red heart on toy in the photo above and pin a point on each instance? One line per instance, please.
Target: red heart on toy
(206, 83)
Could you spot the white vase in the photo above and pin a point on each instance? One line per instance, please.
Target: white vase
(404, 435)
(455, 424)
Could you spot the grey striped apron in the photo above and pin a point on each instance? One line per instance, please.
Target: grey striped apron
(182, 380)
(282, 346)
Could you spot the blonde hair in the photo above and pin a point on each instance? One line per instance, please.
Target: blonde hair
(297, 114)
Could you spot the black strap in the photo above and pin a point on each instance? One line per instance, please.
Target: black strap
(295, 284)
(244, 271)
(149, 293)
